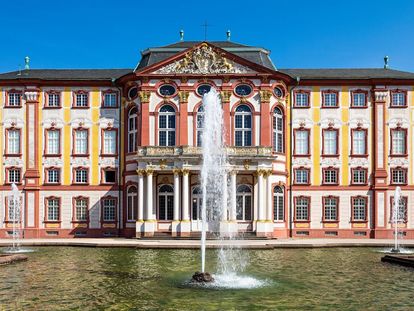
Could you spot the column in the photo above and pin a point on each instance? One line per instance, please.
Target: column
(225, 203)
(185, 212)
(183, 119)
(176, 194)
(265, 124)
(145, 117)
(269, 193)
(140, 195)
(150, 214)
(260, 207)
(233, 186)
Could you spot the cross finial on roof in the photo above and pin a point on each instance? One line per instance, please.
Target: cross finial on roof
(205, 25)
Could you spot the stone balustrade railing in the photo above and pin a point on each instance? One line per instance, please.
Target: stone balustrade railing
(158, 151)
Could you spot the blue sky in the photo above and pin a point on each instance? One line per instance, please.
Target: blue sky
(300, 34)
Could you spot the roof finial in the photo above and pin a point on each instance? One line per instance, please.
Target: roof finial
(228, 33)
(181, 35)
(386, 58)
(26, 63)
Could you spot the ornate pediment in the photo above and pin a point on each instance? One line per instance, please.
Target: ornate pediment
(204, 59)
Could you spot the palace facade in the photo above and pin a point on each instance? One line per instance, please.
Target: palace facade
(312, 152)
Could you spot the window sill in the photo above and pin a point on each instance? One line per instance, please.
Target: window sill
(359, 221)
(330, 155)
(302, 155)
(399, 155)
(86, 155)
(57, 155)
(109, 107)
(12, 107)
(359, 107)
(392, 106)
(12, 155)
(52, 221)
(52, 107)
(76, 107)
(301, 184)
(51, 184)
(301, 107)
(325, 184)
(330, 221)
(356, 184)
(80, 184)
(301, 221)
(10, 183)
(398, 184)
(358, 155)
(330, 107)
(108, 155)
(80, 221)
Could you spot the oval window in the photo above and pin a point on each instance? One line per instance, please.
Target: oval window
(243, 90)
(132, 92)
(167, 90)
(278, 92)
(203, 89)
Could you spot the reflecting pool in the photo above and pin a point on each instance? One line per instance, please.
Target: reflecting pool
(65, 278)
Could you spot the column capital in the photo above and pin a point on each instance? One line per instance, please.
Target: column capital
(144, 96)
(225, 96)
(260, 172)
(233, 172)
(176, 171)
(32, 95)
(140, 172)
(381, 95)
(149, 171)
(265, 96)
(183, 95)
(185, 171)
(267, 173)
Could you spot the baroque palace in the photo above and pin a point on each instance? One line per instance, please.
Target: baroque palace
(116, 152)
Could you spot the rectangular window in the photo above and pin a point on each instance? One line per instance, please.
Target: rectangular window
(330, 176)
(81, 100)
(359, 99)
(330, 142)
(13, 141)
(301, 176)
(301, 142)
(330, 207)
(81, 209)
(53, 176)
(398, 176)
(14, 209)
(109, 143)
(359, 176)
(398, 141)
(398, 99)
(301, 99)
(110, 100)
(14, 176)
(53, 142)
(81, 176)
(399, 215)
(53, 209)
(15, 99)
(359, 142)
(359, 209)
(330, 99)
(109, 209)
(53, 99)
(109, 176)
(81, 142)
(302, 209)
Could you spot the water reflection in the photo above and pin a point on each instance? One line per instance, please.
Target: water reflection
(59, 278)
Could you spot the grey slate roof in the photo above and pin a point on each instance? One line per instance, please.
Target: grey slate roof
(256, 55)
(358, 73)
(66, 74)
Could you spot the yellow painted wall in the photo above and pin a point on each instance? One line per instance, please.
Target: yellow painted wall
(40, 136)
(67, 137)
(344, 136)
(315, 140)
(94, 137)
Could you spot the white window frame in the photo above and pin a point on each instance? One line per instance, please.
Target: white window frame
(278, 130)
(168, 129)
(132, 129)
(244, 131)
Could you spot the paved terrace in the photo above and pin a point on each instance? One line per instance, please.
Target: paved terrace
(176, 243)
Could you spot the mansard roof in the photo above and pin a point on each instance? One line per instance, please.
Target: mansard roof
(348, 73)
(66, 74)
(257, 55)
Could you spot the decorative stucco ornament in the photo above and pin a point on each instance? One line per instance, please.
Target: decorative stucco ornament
(203, 60)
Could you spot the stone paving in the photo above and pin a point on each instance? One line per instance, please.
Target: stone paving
(176, 243)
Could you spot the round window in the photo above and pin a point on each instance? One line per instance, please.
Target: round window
(243, 90)
(203, 89)
(167, 90)
(132, 92)
(278, 92)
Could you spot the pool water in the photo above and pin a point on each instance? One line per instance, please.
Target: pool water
(74, 278)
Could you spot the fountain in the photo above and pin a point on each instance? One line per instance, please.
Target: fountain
(231, 259)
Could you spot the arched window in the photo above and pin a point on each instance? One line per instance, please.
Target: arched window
(166, 123)
(132, 130)
(277, 130)
(278, 204)
(244, 202)
(165, 202)
(132, 203)
(200, 124)
(243, 126)
(197, 202)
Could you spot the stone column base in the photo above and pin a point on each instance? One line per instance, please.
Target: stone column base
(228, 228)
(139, 229)
(185, 228)
(149, 228)
(264, 228)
